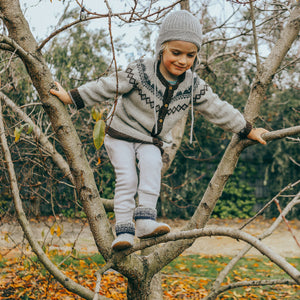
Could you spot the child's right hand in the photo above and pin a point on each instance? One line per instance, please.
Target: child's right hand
(61, 94)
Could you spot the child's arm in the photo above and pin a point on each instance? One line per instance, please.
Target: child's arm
(255, 134)
(61, 94)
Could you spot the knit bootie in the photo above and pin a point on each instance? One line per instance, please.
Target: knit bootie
(146, 226)
(125, 236)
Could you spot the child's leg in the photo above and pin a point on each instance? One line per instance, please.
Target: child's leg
(123, 159)
(150, 164)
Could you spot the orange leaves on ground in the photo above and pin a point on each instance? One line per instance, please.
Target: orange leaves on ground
(24, 278)
(56, 229)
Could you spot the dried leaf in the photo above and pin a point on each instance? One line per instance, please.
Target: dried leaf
(52, 230)
(17, 133)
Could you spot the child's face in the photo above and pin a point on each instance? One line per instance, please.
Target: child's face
(178, 57)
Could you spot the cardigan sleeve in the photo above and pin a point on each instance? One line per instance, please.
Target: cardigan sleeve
(102, 89)
(217, 111)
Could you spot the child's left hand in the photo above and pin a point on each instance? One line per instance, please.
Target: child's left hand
(255, 134)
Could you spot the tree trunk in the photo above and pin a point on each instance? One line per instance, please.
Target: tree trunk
(138, 290)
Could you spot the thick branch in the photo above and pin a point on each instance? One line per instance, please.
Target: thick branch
(64, 280)
(272, 63)
(221, 231)
(275, 135)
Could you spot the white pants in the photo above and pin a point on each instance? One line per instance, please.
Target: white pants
(124, 156)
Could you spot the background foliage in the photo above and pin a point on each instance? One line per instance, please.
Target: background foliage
(82, 54)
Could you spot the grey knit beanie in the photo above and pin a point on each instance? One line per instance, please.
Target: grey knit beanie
(180, 26)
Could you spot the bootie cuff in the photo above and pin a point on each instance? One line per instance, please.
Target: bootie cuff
(145, 213)
(122, 228)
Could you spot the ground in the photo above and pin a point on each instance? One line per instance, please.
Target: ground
(65, 232)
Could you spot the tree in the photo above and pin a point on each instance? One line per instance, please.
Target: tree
(139, 269)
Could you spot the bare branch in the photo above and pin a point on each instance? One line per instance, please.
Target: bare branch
(254, 36)
(64, 280)
(266, 233)
(275, 135)
(235, 285)
(269, 203)
(7, 43)
(48, 147)
(221, 231)
(58, 31)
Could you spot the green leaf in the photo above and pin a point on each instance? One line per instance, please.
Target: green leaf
(99, 133)
(30, 128)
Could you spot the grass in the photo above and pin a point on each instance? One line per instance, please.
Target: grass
(200, 271)
(187, 277)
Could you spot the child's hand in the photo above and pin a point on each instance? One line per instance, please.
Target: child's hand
(61, 94)
(255, 134)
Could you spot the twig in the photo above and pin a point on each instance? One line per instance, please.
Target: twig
(235, 285)
(116, 66)
(286, 222)
(56, 32)
(268, 204)
(9, 61)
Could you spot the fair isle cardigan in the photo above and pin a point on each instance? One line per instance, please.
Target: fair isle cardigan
(145, 97)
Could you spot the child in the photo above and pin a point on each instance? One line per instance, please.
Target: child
(154, 95)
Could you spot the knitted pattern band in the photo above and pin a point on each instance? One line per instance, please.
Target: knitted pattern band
(122, 228)
(145, 213)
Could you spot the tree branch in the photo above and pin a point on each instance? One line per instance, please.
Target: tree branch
(254, 36)
(221, 231)
(59, 276)
(58, 31)
(235, 285)
(271, 64)
(12, 45)
(48, 147)
(274, 135)
(232, 263)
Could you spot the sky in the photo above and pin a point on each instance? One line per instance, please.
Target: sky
(43, 16)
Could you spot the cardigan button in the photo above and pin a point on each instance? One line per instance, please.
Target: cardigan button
(160, 120)
(170, 87)
(166, 105)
